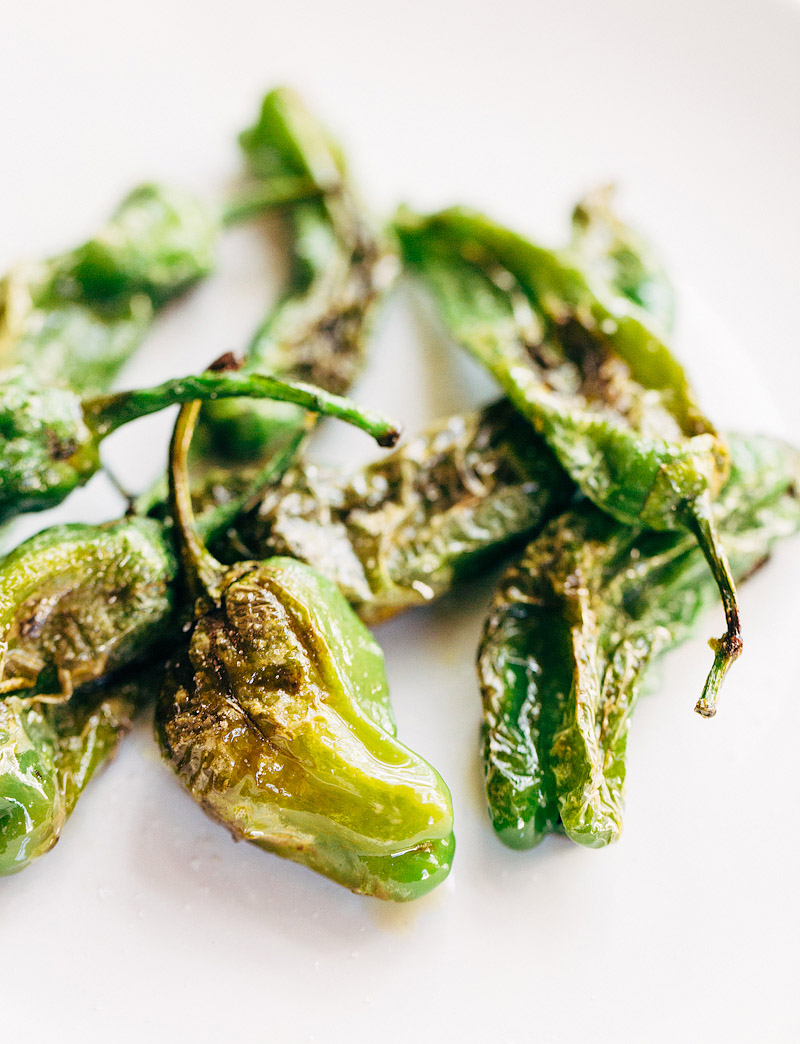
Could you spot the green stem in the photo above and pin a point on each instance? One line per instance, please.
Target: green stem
(277, 192)
(202, 571)
(729, 646)
(106, 413)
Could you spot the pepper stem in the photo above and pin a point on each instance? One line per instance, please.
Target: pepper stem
(277, 192)
(729, 646)
(202, 571)
(106, 413)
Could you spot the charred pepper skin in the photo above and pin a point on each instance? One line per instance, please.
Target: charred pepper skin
(341, 267)
(573, 630)
(405, 529)
(78, 601)
(75, 319)
(586, 369)
(296, 751)
(48, 755)
(276, 717)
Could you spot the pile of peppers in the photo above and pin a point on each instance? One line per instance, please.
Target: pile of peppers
(235, 596)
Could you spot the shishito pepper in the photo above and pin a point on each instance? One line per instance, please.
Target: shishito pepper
(582, 363)
(406, 528)
(573, 629)
(48, 754)
(75, 319)
(341, 266)
(51, 437)
(276, 717)
(78, 601)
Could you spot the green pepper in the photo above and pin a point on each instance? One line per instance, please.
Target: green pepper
(75, 319)
(78, 601)
(276, 717)
(48, 754)
(341, 266)
(580, 361)
(403, 530)
(51, 438)
(573, 629)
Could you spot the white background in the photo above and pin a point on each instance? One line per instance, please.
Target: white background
(147, 922)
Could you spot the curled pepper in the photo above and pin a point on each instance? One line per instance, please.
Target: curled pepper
(583, 364)
(276, 717)
(573, 629)
(404, 529)
(48, 754)
(51, 437)
(341, 267)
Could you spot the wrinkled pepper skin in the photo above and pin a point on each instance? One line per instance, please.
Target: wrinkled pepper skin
(48, 754)
(573, 629)
(277, 719)
(405, 529)
(276, 716)
(51, 437)
(78, 601)
(340, 269)
(597, 383)
(75, 319)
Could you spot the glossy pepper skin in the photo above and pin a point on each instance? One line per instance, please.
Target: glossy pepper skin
(406, 528)
(573, 630)
(48, 754)
(75, 319)
(582, 363)
(341, 267)
(78, 601)
(51, 437)
(276, 716)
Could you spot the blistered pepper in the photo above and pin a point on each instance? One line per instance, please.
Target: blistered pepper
(277, 719)
(75, 319)
(78, 601)
(573, 630)
(341, 266)
(48, 754)
(582, 363)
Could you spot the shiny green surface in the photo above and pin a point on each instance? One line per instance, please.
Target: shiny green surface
(277, 720)
(276, 716)
(75, 319)
(78, 601)
(405, 529)
(48, 755)
(572, 632)
(596, 381)
(340, 268)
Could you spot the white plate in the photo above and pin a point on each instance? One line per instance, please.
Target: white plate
(146, 921)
